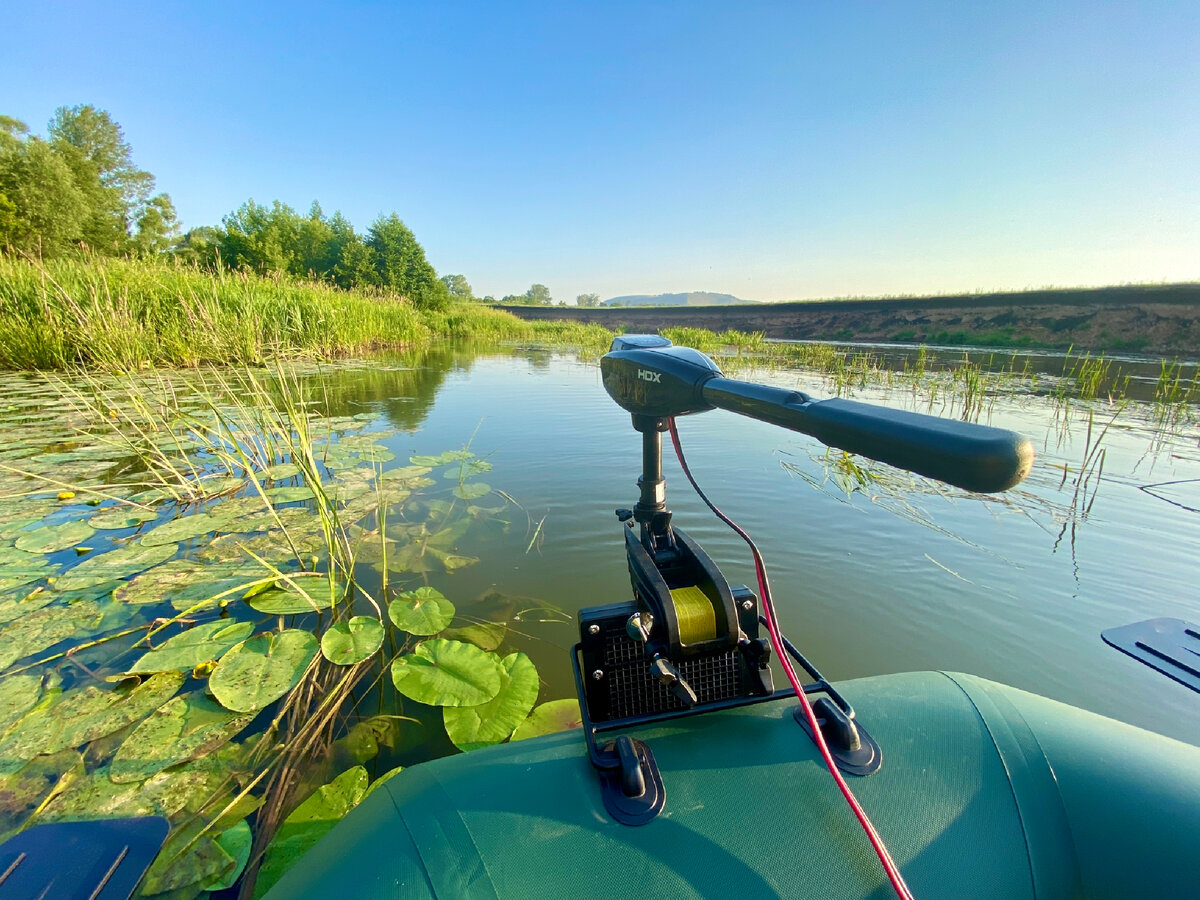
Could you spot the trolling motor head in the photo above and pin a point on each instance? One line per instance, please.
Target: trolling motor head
(654, 380)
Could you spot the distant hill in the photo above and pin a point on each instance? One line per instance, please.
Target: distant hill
(694, 298)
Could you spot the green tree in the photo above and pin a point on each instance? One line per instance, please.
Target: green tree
(157, 226)
(356, 267)
(401, 264)
(458, 287)
(539, 295)
(261, 238)
(587, 300)
(116, 192)
(42, 210)
(201, 246)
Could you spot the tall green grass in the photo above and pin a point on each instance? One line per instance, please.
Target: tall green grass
(126, 315)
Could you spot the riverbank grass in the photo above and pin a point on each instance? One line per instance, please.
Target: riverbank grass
(122, 315)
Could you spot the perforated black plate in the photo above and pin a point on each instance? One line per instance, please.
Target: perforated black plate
(1172, 646)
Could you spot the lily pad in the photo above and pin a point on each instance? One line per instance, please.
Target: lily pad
(180, 529)
(18, 695)
(121, 517)
(442, 459)
(114, 565)
(260, 670)
(43, 628)
(490, 723)
(448, 673)
(22, 600)
(187, 582)
(347, 643)
(198, 645)
(308, 823)
(484, 635)
(236, 842)
(549, 717)
(472, 490)
(289, 494)
(15, 575)
(52, 538)
(85, 714)
(423, 611)
(288, 600)
(184, 728)
(31, 784)
(404, 473)
(189, 858)
(280, 471)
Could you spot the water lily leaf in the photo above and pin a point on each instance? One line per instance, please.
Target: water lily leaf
(16, 603)
(187, 583)
(289, 494)
(27, 787)
(452, 562)
(448, 457)
(15, 575)
(472, 490)
(403, 473)
(18, 695)
(484, 635)
(423, 611)
(447, 673)
(288, 600)
(52, 538)
(43, 628)
(549, 717)
(308, 823)
(185, 651)
(473, 727)
(347, 643)
(468, 469)
(382, 780)
(187, 859)
(211, 487)
(121, 517)
(122, 709)
(180, 529)
(281, 471)
(85, 714)
(447, 537)
(261, 669)
(11, 527)
(236, 842)
(183, 729)
(114, 565)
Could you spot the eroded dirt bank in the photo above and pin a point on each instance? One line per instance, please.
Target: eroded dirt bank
(1156, 319)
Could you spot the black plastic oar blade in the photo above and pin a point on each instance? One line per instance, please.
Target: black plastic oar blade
(1172, 646)
(99, 860)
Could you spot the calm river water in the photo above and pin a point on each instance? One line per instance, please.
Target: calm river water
(899, 576)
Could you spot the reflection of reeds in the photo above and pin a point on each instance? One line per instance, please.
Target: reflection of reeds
(1086, 479)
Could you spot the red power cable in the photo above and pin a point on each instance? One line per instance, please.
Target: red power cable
(764, 589)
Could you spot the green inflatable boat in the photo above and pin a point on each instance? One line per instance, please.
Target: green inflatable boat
(694, 777)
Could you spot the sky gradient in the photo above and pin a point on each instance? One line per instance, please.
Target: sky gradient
(778, 151)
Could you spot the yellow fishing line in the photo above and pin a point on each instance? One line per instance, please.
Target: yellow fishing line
(697, 618)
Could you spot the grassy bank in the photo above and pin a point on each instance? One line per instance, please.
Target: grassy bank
(124, 315)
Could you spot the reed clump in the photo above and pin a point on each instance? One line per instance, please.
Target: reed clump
(125, 315)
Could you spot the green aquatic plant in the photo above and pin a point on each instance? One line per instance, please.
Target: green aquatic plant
(245, 546)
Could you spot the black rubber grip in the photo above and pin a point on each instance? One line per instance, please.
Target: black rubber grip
(974, 457)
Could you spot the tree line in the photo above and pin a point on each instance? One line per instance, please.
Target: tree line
(78, 189)
(78, 186)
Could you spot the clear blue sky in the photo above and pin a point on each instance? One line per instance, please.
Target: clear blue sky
(770, 150)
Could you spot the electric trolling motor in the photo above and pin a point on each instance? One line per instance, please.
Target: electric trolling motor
(687, 642)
